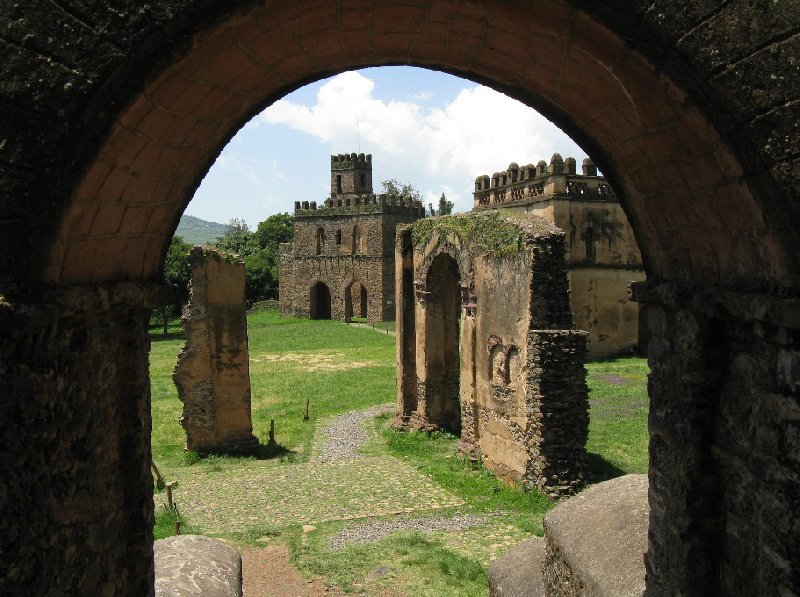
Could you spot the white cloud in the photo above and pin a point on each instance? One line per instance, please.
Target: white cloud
(230, 163)
(433, 147)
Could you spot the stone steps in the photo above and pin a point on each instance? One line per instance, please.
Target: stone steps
(594, 544)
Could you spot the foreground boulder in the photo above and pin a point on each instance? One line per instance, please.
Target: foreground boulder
(596, 541)
(189, 565)
(518, 572)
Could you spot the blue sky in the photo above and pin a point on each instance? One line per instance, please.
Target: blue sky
(432, 130)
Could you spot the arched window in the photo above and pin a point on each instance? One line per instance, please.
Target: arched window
(338, 237)
(320, 240)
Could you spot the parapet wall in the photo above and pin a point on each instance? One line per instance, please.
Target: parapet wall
(517, 185)
(360, 204)
(351, 161)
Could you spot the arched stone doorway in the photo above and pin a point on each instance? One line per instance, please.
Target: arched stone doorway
(442, 351)
(109, 136)
(320, 301)
(355, 301)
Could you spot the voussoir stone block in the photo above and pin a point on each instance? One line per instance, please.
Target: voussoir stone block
(189, 565)
(596, 541)
(518, 572)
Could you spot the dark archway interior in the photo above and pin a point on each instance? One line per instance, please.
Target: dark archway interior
(110, 116)
(320, 301)
(442, 340)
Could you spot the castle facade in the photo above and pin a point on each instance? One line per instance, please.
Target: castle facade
(601, 253)
(341, 263)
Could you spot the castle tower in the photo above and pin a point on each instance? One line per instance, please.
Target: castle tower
(351, 175)
(341, 263)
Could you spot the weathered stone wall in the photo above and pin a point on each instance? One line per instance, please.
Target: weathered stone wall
(76, 505)
(601, 255)
(599, 299)
(299, 275)
(557, 402)
(724, 444)
(213, 369)
(521, 382)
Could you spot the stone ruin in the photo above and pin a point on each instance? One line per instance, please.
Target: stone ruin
(213, 371)
(486, 347)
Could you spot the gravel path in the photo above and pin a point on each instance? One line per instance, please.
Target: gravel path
(345, 435)
(372, 531)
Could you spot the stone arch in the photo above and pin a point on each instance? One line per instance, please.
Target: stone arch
(355, 305)
(442, 344)
(110, 125)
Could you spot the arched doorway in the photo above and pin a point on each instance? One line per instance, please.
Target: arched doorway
(442, 350)
(701, 159)
(320, 301)
(355, 301)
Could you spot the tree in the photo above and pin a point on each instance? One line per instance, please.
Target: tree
(177, 274)
(445, 206)
(391, 186)
(273, 231)
(237, 239)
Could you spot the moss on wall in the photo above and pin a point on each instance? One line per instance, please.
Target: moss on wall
(489, 231)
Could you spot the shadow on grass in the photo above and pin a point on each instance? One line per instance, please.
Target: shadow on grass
(600, 469)
(259, 452)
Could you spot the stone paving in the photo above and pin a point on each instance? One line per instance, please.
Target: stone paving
(308, 493)
(370, 490)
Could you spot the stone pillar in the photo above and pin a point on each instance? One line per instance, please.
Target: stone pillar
(724, 442)
(76, 507)
(557, 411)
(213, 371)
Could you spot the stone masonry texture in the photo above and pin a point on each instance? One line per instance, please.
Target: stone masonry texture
(213, 370)
(110, 115)
(495, 357)
(344, 244)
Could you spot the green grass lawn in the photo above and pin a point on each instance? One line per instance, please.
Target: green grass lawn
(341, 368)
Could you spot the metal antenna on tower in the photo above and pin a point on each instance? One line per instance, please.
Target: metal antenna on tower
(358, 134)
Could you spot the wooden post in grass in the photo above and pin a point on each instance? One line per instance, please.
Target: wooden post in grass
(169, 495)
(305, 416)
(271, 441)
(178, 527)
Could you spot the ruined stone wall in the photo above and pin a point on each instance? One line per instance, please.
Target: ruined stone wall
(557, 401)
(523, 397)
(76, 507)
(213, 370)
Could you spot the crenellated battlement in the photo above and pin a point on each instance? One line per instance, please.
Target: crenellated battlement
(522, 184)
(360, 205)
(351, 161)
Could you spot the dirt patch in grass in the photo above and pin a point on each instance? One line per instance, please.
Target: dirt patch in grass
(268, 572)
(317, 361)
(615, 380)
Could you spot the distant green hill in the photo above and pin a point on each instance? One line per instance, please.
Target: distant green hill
(197, 232)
